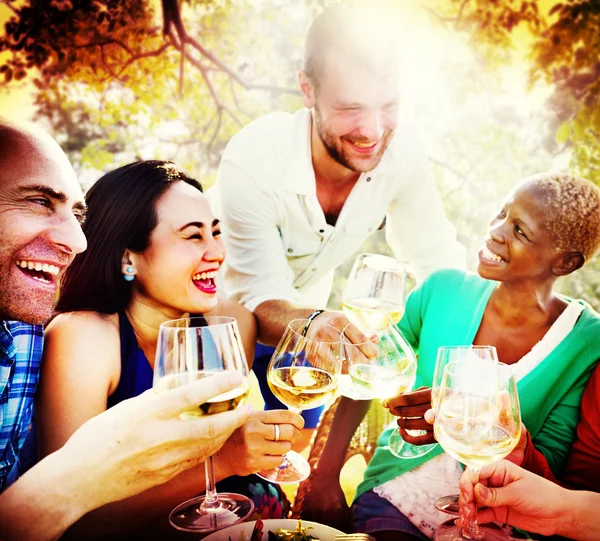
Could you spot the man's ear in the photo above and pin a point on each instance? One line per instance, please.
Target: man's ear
(567, 262)
(307, 89)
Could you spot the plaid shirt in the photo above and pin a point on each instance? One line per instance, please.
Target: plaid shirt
(20, 356)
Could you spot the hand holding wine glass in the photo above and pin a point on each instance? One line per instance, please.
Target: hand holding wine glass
(303, 374)
(190, 349)
(381, 367)
(477, 421)
(445, 356)
(375, 292)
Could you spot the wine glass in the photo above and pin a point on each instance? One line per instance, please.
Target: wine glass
(446, 355)
(382, 367)
(189, 349)
(477, 421)
(303, 374)
(374, 292)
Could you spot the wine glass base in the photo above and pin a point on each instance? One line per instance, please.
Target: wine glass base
(401, 449)
(448, 531)
(294, 469)
(448, 504)
(191, 517)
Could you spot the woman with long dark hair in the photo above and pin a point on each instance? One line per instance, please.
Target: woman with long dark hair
(154, 250)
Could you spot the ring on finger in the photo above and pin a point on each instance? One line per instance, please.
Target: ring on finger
(277, 433)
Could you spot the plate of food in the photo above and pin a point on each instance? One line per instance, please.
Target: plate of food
(275, 530)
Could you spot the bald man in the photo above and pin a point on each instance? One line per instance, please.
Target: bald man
(41, 207)
(136, 445)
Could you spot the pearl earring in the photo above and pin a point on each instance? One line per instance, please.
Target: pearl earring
(129, 276)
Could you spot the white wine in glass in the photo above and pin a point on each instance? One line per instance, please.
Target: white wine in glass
(303, 374)
(445, 356)
(382, 367)
(224, 402)
(190, 349)
(477, 421)
(302, 387)
(375, 293)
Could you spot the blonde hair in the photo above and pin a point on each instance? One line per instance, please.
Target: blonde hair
(574, 218)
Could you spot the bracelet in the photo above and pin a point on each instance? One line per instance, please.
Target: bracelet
(309, 320)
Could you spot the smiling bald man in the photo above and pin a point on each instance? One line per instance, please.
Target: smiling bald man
(41, 206)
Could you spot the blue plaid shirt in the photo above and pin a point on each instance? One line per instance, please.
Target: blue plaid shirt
(20, 356)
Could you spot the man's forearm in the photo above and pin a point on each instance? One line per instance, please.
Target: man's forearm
(43, 503)
(273, 318)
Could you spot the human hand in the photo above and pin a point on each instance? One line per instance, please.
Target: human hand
(324, 501)
(252, 447)
(141, 442)
(322, 328)
(514, 496)
(410, 408)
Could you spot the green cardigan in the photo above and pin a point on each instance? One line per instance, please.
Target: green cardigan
(446, 310)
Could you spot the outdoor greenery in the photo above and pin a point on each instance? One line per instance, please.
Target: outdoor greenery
(501, 89)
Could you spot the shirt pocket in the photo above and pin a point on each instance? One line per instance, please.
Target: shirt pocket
(300, 252)
(298, 248)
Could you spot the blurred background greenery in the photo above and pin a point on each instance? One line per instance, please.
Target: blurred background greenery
(501, 89)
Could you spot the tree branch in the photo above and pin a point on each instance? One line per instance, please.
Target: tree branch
(106, 64)
(439, 17)
(102, 43)
(9, 5)
(235, 99)
(181, 70)
(236, 76)
(454, 171)
(220, 106)
(139, 56)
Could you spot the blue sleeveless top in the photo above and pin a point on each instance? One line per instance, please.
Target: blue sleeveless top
(136, 372)
(137, 377)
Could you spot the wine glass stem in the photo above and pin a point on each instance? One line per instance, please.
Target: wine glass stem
(471, 530)
(286, 462)
(211, 500)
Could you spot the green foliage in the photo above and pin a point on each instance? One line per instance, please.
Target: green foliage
(110, 80)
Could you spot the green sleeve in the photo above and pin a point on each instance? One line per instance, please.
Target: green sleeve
(556, 436)
(412, 321)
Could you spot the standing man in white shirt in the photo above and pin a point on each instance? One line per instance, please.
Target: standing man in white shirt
(299, 193)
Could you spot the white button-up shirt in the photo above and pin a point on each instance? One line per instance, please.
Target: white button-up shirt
(279, 245)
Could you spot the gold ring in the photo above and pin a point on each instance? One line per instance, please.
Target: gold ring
(277, 433)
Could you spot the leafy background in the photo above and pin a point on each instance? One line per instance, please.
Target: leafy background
(502, 89)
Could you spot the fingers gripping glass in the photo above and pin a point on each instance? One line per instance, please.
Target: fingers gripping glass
(303, 374)
(445, 356)
(190, 349)
(477, 422)
(381, 367)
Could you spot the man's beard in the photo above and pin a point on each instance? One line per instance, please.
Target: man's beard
(334, 148)
(17, 306)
